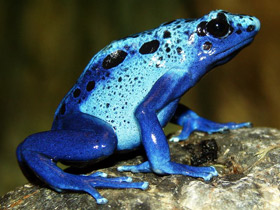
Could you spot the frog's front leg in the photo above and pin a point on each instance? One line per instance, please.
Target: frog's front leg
(190, 122)
(166, 90)
(40, 152)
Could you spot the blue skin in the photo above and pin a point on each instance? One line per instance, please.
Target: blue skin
(127, 93)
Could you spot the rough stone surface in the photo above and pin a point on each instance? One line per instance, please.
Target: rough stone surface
(249, 178)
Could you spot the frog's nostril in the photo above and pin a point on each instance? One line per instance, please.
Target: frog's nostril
(250, 28)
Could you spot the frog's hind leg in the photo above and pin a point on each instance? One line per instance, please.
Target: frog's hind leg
(59, 180)
(40, 152)
(190, 121)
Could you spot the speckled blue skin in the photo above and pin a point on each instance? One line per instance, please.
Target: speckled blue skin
(127, 93)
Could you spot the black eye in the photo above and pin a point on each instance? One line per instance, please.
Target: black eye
(218, 27)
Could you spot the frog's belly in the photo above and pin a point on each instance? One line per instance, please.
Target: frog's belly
(124, 124)
(119, 113)
(115, 101)
(129, 136)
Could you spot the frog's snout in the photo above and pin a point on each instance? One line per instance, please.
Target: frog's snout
(256, 24)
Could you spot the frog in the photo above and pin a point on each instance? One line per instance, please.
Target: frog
(124, 98)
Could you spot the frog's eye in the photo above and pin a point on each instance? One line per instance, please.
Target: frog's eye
(218, 27)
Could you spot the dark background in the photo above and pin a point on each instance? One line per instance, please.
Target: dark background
(45, 45)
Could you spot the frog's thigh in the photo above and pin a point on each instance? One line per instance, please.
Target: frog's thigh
(71, 145)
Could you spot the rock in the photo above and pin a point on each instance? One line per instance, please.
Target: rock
(249, 178)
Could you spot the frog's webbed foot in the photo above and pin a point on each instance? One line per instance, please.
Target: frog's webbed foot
(173, 168)
(192, 122)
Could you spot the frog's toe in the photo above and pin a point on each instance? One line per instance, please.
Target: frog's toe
(93, 192)
(128, 168)
(174, 139)
(143, 167)
(232, 126)
(208, 173)
(245, 125)
(101, 201)
(97, 174)
(207, 177)
(122, 179)
(184, 135)
(145, 185)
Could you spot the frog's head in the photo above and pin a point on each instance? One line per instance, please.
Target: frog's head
(219, 36)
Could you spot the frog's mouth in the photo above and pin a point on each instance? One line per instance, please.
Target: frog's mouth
(229, 53)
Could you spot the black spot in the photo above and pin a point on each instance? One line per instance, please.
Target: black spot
(168, 49)
(77, 93)
(187, 33)
(238, 31)
(250, 28)
(149, 47)
(167, 23)
(126, 47)
(88, 72)
(62, 109)
(114, 59)
(240, 16)
(251, 19)
(107, 105)
(134, 36)
(120, 79)
(157, 65)
(239, 25)
(188, 20)
(179, 50)
(90, 85)
(166, 34)
(207, 46)
(160, 58)
(178, 26)
(201, 28)
(224, 11)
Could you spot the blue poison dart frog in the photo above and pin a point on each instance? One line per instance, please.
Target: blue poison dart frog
(127, 93)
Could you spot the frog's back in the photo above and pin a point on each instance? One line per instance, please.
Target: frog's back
(119, 77)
